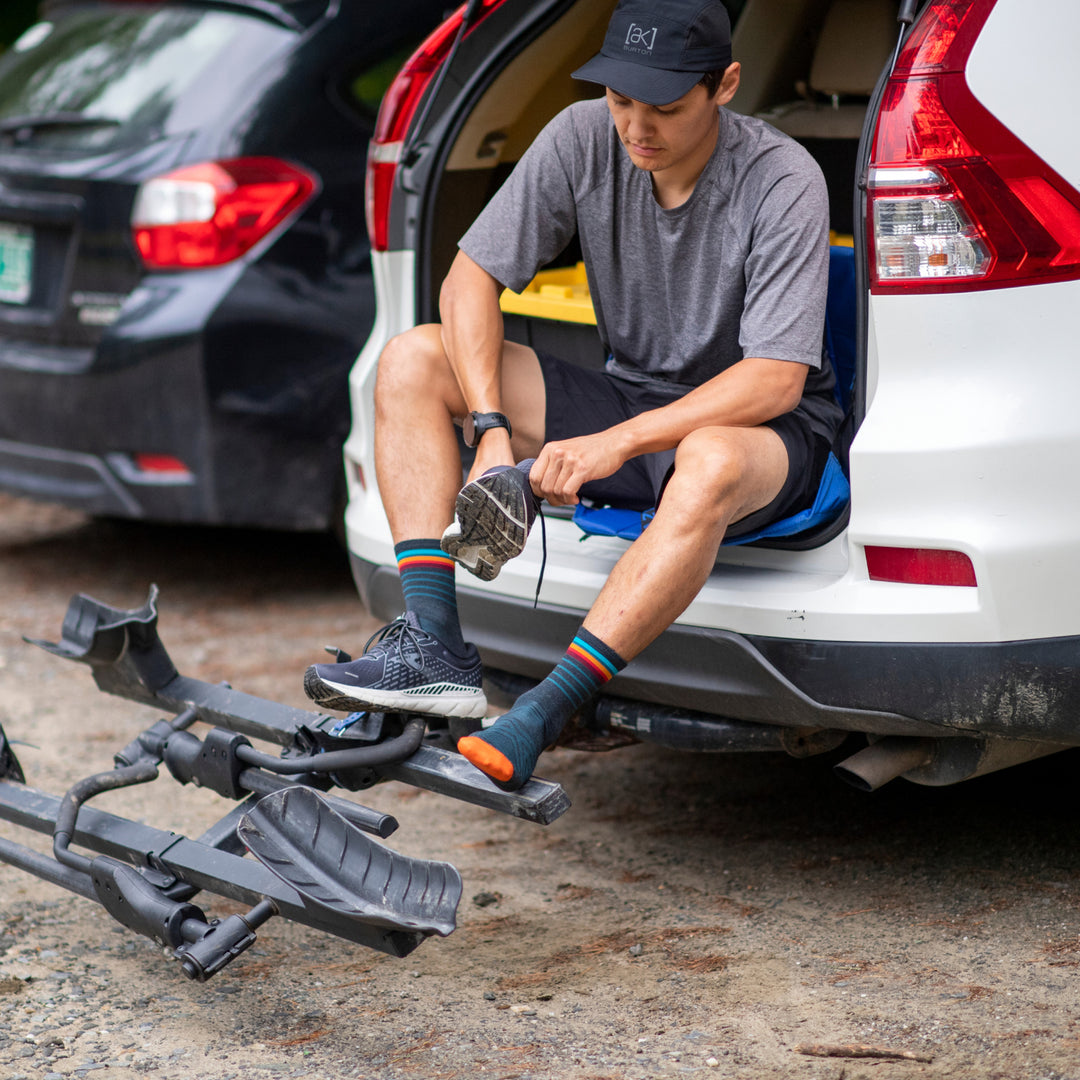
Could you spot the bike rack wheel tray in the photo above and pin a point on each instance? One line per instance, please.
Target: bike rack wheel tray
(319, 859)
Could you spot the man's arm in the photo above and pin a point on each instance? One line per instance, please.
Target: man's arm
(472, 335)
(784, 309)
(747, 394)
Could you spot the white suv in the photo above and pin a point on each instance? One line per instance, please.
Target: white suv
(935, 609)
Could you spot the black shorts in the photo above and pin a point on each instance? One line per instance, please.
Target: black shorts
(582, 401)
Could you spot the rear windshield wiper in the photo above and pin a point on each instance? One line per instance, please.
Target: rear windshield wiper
(34, 121)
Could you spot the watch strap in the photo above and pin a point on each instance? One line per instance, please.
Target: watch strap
(476, 423)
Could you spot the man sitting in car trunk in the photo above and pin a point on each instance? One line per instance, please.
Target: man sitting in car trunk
(705, 237)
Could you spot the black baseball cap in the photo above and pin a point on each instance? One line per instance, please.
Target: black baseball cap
(657, 50)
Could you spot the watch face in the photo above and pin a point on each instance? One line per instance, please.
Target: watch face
(475, 424)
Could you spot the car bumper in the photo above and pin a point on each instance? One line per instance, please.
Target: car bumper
(1023, 689)
(110, 486)
(252, 411)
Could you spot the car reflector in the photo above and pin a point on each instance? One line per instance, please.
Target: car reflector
(919, 566)
(159, 463)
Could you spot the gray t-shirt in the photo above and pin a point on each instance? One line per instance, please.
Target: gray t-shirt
(739, 270)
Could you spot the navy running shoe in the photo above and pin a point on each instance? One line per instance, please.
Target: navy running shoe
(405, 668)
(492, 518)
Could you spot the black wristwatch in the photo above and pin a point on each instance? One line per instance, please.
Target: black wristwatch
(476, 423)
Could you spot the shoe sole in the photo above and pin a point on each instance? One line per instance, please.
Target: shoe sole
(436, 699)
(486, 534)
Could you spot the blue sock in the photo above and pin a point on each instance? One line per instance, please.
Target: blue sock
(427, 581)
(508, 750)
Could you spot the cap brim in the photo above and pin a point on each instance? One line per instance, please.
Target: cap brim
(654, 86)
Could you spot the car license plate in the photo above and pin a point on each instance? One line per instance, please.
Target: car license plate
(16, 263)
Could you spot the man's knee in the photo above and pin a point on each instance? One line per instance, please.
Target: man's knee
(727, 473)
(413, 362)
(713, 461)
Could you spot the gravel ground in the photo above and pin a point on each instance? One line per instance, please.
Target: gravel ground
(690, 916)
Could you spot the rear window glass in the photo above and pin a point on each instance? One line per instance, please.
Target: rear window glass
(369, 86)
(100, 78)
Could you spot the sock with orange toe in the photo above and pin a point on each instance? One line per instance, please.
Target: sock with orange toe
(508, 750)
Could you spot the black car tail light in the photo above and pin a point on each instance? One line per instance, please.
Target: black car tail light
(212, 213)
(956, 200)
(396, 113)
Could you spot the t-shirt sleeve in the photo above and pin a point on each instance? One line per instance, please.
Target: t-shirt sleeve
(787, 271)
(533, 216)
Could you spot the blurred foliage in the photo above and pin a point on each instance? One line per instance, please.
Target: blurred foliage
(15, 17)
(368, 88)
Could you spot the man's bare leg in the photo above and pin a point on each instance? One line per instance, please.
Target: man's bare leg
(422, 663)
(417, 400)
(721, 475)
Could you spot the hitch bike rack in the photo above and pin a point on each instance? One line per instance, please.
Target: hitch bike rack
(317, 861)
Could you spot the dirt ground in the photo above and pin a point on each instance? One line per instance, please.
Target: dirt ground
(690, 915)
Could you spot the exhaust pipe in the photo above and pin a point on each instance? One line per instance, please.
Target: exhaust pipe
(885, 760)
(936, 762)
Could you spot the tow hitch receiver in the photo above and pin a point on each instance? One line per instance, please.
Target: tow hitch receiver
(318, 863)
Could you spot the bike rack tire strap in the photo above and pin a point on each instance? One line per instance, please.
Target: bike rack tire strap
(299, 837)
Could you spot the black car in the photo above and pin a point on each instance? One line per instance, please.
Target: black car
(184, 264)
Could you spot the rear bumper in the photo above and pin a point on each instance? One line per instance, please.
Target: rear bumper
(91, 483)
(1020, 689)
(254, 408)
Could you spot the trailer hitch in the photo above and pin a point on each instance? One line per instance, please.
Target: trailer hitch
(319, 858)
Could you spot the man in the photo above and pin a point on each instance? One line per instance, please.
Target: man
(705, 240)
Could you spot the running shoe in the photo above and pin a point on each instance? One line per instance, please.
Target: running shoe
(403, 668)
(492, 518)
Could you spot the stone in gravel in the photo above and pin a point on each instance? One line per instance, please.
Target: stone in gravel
(486, 899)
(488, 995)
(636, 950)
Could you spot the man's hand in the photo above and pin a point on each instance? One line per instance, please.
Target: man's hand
(562, 467)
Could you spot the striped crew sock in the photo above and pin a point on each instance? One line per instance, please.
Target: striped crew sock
(509, 749)
(427, 581)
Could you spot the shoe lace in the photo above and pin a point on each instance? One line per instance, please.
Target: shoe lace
(543, 556)
(401, 636)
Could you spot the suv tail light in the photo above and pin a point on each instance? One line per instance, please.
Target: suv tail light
(396, 113)
(209, 214)
(956, 201)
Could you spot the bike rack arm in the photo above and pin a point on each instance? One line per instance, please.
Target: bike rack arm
(128, 659)
(208, 869)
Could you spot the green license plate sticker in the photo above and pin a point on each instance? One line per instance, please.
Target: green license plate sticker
(16, 263)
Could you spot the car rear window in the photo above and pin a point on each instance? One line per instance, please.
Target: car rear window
(102, 77)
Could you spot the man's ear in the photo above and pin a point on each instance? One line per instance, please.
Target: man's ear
(729, 84)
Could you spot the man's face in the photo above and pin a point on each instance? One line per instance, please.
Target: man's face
(659, 137)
